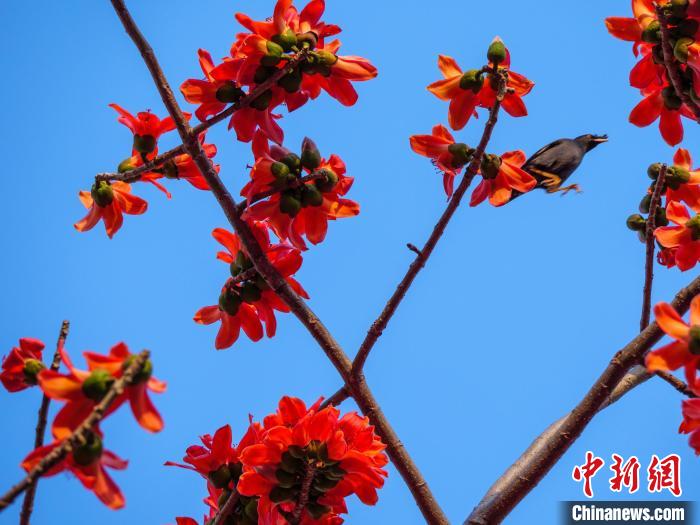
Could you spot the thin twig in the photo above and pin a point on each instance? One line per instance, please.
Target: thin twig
(651, 248)
(303, 500)
(548, 448)
(672, 65)
(79, 434)
(227, 509)
(336, 399)
(419, 488)
(423, 255)
(28, 503)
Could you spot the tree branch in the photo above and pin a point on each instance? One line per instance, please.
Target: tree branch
(359, 388)
(651, 248)
(336, 399)
(28, 503)
(227, 509)
(423, 255)
(79, 434)
(547, 449)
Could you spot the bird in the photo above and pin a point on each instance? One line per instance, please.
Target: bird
(552, 165)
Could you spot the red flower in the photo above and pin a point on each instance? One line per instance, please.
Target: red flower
(82, 390)
(108, 202)
(685, 350)
(249, 303)
(447, 156)
(683, 182)
(502, 175)
(630, 29)
(147, 129)
(691, 422)
(304, 447)
(659, 101)
(89, 463)
(22, 366)
(466, 91)
(683, 238)
(303, 210)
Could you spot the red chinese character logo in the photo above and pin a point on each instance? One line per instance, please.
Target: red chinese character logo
(587, 471)
(626, 474)
(665, 474)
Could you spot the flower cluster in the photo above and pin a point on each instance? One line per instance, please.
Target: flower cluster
(466, 91)
(80, 391)
(676, 231)
(650, 75)
(297, 466)
(683, 352)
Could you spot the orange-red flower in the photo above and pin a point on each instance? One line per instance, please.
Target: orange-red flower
(630, 29)
(147, 129)
(108, 202)
(246, 301)
(691, 422)
(449, 157)
(660, 103)
(501, 175)
(88, 462)
(81, 390)
(684, 351)
(468, 90)
(22, 365)
(303, 447)
(683, 182)
(304, 209)
(683, 238)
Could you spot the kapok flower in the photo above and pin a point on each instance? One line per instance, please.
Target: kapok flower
(248, 302)
(683, 238)
(661, 102)
(81, 390)
(448, 156)
(501, 175)
(22, 365)
(631, 29)
(147, 129)
(108, 202)
(303, 448)
(682, 181)
(691, 422)
(304, 209)
(87, 462)
(467, 90)
(684, 351)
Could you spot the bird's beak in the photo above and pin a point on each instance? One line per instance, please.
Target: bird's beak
(600, 139)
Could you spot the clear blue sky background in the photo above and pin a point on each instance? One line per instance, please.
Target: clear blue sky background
(517, 313)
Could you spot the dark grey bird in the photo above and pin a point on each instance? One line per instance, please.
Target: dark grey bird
(556, 162)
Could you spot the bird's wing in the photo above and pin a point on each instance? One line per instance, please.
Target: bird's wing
(543, 150)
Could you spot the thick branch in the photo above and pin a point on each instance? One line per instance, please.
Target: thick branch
(423, 255)
(28, 503)
(651, 247)
(227, 509)
(548, 448)
(672, 65)
(79, 435)
(360, 391)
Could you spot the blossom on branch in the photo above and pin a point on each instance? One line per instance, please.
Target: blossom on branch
(22, 365)
(147, 129)
(108, 201)
(683, 237)
(501, 175)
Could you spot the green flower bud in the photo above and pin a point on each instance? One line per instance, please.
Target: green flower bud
(143, 375)
(274, 54)
(263, 101)
(472, 79)
(328, 181)
(636, 222)
(32, 367)
(280, 495)
(291, 82)
(461, 154)
(645, 203)
(87, 453)
(221, 477)
(680, 50)
(289, 204)
(660, 217)
(694, 226)
(310, 196)
(102, 194)
(230, 302)
(679, 7)
(671, 100)
(326, 58)
(310, 155)
(97, 384)
(323, 484)
(170, 170)
(279, 171)
(490, 166)
(694, 340)
(688, 27)
(285, 479)
(497, 52)
(678, 174)
(263, 73)
(657, 54)
(145, 144)
(292, 161)
(316, 510)
(286, 40)
(250, 293)
(126, 165)
(251, 510)
(308, 40)
(654, 170)
(229, 93)
(652, 33)
(291, 464)
(296, 452)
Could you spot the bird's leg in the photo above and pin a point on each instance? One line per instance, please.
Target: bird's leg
(566, 189)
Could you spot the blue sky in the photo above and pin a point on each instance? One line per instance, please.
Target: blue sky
(516, 314)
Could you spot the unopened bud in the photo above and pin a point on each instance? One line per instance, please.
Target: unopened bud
(263, 73)
(654, 170)
(126, 165)
(308, 39)
(279, 170)
(310, 196)
(676, 173)
(229, 302)
(291, 82)
(145, 144)
(636, 223)
(326, 58)
(680, 50)
(286, 40)
(679, 7)
(310, 155)
(328, 181)
(497, 52)
(688, 27)
(97, 384)
(652, 32)
(671, 100)
(220, 477)
(645, 203)
(660, 217)
(250, 293)
(472, 79)
(289, 204)
(292, 161)
(229, 93)
(274, 54)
